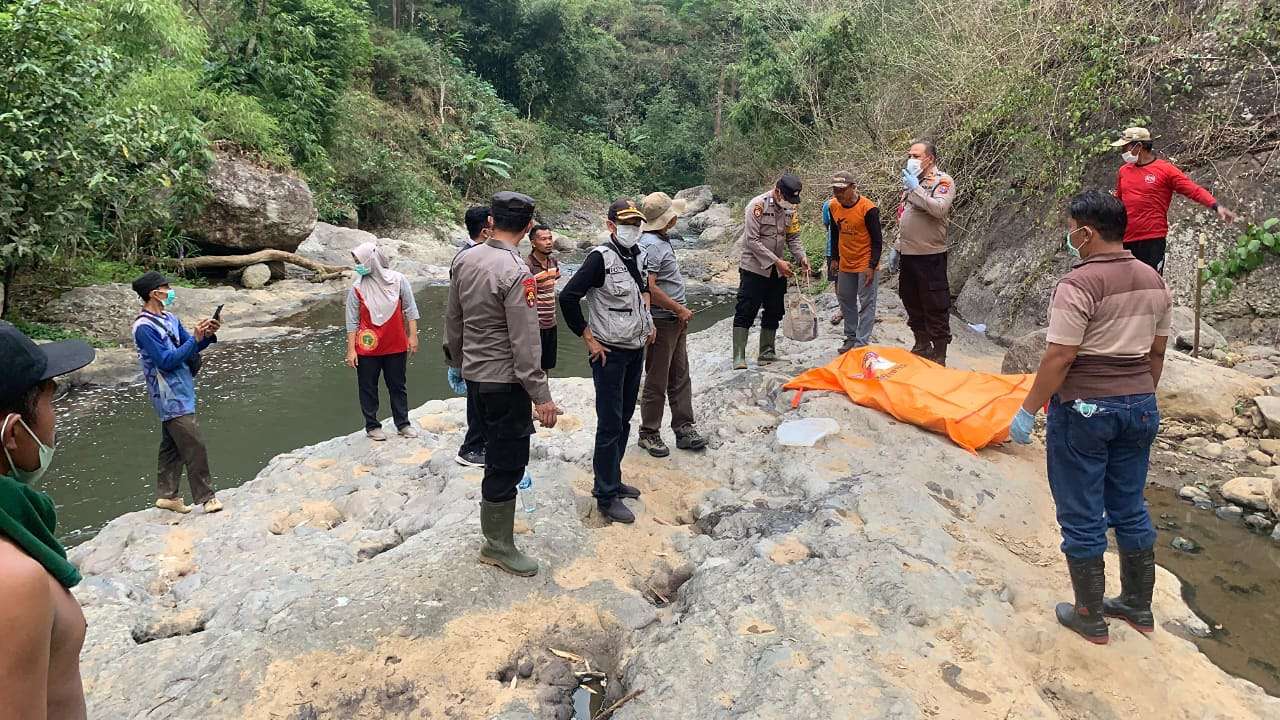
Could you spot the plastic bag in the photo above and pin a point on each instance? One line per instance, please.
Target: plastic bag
(806, 432)
(801, 321)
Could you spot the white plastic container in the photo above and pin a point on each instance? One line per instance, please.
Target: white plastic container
(806, 432)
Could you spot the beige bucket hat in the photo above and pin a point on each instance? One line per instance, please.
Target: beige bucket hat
(659, 210)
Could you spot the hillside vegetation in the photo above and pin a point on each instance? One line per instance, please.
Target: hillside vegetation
(397, 112)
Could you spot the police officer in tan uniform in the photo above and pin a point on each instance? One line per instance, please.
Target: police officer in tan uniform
(771, 227)
(923, 216)
(491, 335)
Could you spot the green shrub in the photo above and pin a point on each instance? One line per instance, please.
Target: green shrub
(223, 115)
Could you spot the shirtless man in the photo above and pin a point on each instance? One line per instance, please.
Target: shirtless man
(41, 625)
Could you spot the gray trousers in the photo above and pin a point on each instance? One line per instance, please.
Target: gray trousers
(858, 303)
(181, 446)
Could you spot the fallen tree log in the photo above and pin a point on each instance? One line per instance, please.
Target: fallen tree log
(207, 262)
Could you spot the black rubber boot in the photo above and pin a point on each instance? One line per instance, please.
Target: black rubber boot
(923, 346)
(939, 353)
(1137, 583)
(1088, 580)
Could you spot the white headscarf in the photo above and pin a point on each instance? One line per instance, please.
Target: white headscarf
(380, 289)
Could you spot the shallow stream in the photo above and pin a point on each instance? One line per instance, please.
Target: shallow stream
(1233, 582)
(256, 400)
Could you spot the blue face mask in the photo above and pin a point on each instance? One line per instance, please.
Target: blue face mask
(169, 298)
(28, 477)
(361, 270)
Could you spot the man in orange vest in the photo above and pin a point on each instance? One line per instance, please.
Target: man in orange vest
(855, 242)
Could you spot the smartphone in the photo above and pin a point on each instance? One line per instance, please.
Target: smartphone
(217, 314)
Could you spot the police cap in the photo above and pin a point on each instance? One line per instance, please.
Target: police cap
(511, 210)
(789, 185)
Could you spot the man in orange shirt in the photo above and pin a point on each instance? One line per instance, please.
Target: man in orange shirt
(855, 243)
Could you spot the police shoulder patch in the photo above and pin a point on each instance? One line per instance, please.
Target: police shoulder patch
(530, 290)
(757, 209)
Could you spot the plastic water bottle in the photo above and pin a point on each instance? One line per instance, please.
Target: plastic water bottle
(526, 492)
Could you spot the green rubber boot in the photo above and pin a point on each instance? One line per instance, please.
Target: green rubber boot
(768, 353)
(497, 520)
(740, 348)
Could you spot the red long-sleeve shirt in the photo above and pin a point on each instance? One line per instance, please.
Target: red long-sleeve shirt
(1147, 190)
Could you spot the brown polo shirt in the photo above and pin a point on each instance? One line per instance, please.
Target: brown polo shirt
(1111, 305)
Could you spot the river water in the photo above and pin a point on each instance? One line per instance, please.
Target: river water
(256, 400)
(1233, 582)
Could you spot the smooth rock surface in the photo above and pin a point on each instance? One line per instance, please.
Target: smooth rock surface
(1248, 491)
(1269, 405)
(885, 573)
(1182, 331)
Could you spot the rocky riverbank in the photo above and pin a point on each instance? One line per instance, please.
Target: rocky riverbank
(883, 574)
(106, 312)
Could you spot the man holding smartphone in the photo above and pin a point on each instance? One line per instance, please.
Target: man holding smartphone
(170, 358)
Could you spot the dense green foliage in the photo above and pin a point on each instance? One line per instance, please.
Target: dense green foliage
(398, 111)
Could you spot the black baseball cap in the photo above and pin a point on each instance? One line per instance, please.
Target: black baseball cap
(511, 206)
(789, 185)
(624, 211)
(147, 282)
(27, 364)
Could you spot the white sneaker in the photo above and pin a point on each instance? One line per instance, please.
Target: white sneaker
(376, 434)
(408, 431)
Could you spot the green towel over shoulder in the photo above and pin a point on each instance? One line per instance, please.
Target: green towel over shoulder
(28, 519)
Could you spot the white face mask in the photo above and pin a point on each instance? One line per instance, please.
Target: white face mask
(914, 166)
(1129, 157)
(627, 235)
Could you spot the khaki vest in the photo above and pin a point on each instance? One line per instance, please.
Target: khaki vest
(616, 312)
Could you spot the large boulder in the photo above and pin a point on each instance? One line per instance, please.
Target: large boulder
(424, 255)
(1190, 388)
(1183, 331)
(251, 208)
(1250, 492)
(696, 199)
(1270, 407)
(717, 215)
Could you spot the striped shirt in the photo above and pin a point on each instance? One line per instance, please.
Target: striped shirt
(546, 273)
(1111, 306)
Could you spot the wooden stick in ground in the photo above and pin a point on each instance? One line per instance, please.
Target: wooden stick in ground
(1195, 335)
(608, 712)
(205, 262)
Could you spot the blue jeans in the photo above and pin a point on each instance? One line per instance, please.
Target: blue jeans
(1098, 469)
(617, 384)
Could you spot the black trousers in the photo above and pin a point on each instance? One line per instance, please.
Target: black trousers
(757, 290)
(617, 383)
(474, 440)
(505, 417)
(926, 295)
(182, 446)
(393, 369)
(1150, 252)
(549, 347)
